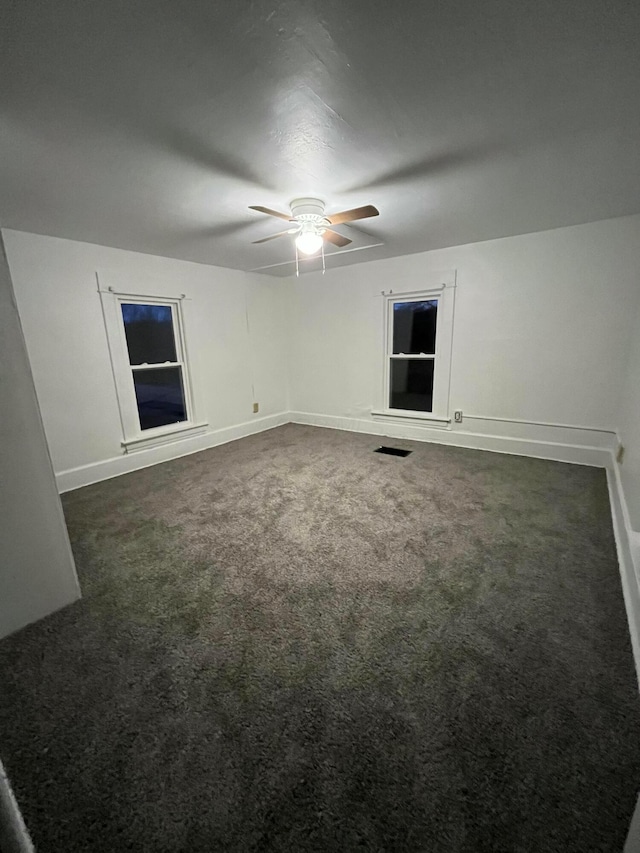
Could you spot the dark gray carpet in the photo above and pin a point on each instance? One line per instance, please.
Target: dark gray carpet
(291, 643)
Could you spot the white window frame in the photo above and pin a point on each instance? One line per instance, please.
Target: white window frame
(133, 437)
(441, 288)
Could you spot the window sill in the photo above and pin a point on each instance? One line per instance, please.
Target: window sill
(422, 417)
(169, 436)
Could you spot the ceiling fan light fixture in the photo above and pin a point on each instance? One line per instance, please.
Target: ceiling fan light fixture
(309, 241)
(312, 227)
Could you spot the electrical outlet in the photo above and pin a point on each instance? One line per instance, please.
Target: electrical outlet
(457, 416)
(256, 408)
(620, 453)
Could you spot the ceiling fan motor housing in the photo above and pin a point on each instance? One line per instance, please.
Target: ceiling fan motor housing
(309, 210)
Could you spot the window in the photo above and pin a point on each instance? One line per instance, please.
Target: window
(146, 336)
(157, 369)
(416, 352)
(413, 354)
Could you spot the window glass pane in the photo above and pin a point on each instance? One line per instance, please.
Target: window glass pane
(149, 331)
(414, 327)
(411, 385)
(160, 396)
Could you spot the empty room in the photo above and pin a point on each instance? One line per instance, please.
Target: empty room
(320, 428)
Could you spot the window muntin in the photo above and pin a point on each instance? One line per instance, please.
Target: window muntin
(411, 355)
(156, 363)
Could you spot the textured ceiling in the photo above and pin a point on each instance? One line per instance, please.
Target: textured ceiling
(152, 125)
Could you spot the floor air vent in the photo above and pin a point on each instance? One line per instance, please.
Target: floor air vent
(393, 451)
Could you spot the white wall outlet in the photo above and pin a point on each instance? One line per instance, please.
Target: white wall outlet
(256, 408)
(457, 416)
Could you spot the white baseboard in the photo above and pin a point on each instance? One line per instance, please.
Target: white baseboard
(596, 454)
(85, 475)
(628, 545)
(519, 445)
(634, 538)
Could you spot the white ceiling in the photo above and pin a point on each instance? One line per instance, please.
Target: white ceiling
(152, 125)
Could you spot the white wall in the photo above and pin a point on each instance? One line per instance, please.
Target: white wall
(56, 291)
(629, 427)
(542, 327)
(37, 575)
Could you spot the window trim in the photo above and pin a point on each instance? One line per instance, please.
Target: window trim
(134, 438)
(440, 288)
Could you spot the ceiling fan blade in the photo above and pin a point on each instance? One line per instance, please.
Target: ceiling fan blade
(270, 212)
(351, 215)
(274, 236)
(335, 238)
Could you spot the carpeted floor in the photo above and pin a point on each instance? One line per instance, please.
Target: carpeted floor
(291, 643)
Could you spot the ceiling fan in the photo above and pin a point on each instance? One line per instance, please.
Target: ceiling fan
(311, 226)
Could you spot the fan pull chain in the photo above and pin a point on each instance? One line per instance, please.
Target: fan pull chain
(297, 264)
